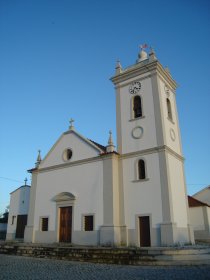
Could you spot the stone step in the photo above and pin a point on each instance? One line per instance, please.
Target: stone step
(183, 251)
(133, 256)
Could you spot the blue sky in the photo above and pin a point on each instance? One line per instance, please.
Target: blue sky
(56, 58)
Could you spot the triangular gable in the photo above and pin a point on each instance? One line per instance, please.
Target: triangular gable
(81, 147)
(203, 195)
(202, 191)
(24, 186)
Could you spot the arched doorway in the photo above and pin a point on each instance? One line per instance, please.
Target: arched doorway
(64, 202)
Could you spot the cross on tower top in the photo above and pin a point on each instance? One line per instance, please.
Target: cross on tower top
(71, 123)
(25, 181)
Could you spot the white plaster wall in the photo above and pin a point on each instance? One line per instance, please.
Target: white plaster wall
(148, 140)
(196, 218)
(203, 196)
(116, 196)
(142, 197)
(177, 186)
(84, 181)
(80, 148)
(19, 205)
(208, 219)
(168, 125)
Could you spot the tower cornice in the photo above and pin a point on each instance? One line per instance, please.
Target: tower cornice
(142, 68)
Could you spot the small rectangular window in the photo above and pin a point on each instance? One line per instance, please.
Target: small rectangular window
(137, 108)
(88, 223)
(141, 167)
(44, 224)
(169, 109)
(13, 220)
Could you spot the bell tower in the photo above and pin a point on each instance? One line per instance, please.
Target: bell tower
(149, 143)
(146, 106)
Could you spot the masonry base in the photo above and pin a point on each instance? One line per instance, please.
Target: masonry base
(122, 255)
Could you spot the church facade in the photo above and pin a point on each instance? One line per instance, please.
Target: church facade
(88, 194)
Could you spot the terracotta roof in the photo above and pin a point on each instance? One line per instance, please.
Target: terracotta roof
(103, 148)
(108, 153)
(32, 169)
(195, 203)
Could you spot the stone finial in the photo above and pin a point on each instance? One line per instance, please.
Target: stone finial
(118, 68)
(152, 54)
(110, 147)
(25, 181)
(110, 141)
(142, 54)
(71, 127)
(39, 159)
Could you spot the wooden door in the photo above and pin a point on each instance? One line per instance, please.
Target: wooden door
(144, 229)
(21, 223)
(65, 224)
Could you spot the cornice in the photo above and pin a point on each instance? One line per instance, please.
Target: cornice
(75, 163)
(108, 156)
(127, 82)
(142, 68)
(151, 151)
(173, 90)
(67, 164)
(178, 156)
(165, 74)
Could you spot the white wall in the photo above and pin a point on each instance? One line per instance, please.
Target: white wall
(84, 181)
(200, 220)
(196, 218)
(19, 205)
(177, 186)
(142, 197)
(174, 144)
(127, 123)
(208, 219)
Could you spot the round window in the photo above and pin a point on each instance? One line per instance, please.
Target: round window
(137, 132)
(67, 154)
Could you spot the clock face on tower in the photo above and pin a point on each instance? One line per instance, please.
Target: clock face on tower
(134, 87)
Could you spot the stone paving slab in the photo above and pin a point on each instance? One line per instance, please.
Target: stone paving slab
(22, 268)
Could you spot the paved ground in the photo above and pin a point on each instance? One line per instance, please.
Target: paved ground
(15, 267)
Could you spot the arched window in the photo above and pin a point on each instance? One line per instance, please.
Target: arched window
(137, 108)
(141, 169)
(169, 108)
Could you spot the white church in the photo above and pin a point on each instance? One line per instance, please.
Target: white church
(87, 194)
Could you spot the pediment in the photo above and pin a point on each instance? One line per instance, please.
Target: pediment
(64, 196)
(70, 147)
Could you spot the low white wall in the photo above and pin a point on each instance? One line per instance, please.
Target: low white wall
(196, 218)
(200, 220)
(19, 205)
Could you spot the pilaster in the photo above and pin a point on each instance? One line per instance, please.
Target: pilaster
(111, 232)
(29, 229)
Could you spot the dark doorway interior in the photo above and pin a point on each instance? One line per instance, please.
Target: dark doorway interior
(21, 223)
(144, 229)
